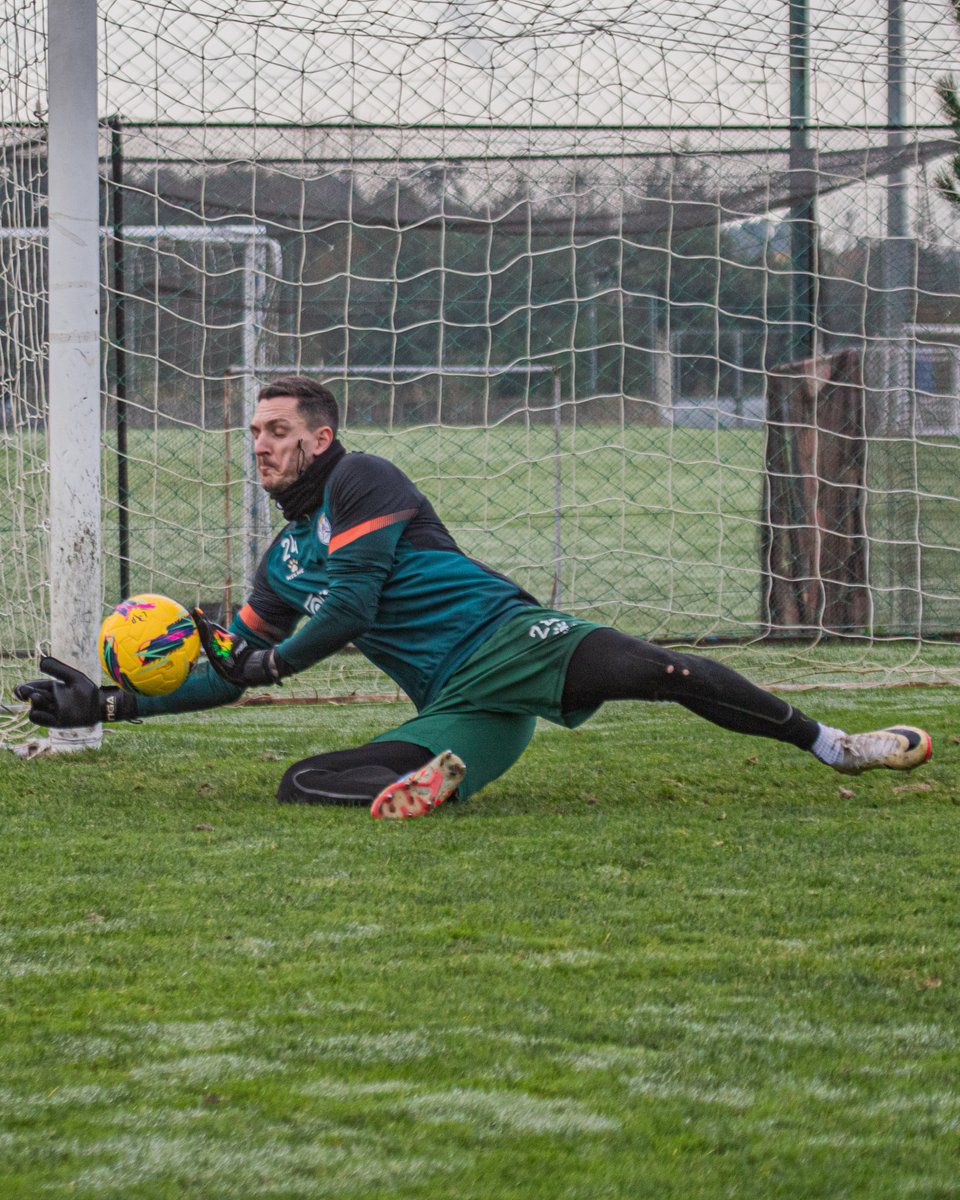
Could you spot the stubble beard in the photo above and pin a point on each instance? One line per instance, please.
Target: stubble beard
(279, 485)
(275, 487)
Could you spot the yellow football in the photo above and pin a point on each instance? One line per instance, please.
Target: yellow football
(148, 645)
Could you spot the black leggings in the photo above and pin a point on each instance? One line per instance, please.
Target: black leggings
(607, 665)
(350, 777)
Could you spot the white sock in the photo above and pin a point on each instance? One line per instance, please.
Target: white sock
(828, 746)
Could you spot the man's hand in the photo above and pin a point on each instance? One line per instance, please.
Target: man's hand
(70, 699)
(232, 656)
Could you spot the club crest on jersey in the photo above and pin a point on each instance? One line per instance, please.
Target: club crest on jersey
(324, 530)
(314, 602)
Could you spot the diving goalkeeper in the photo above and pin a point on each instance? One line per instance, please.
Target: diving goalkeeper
(365, 559)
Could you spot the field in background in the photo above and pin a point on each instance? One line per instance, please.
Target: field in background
(650, 518)
(658, 528)
(654, 959)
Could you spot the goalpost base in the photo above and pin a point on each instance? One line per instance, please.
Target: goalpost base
(70, 741)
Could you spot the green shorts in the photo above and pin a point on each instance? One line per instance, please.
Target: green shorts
(487, 710)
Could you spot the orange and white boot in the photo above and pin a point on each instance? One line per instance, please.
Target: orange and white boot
(422, 790)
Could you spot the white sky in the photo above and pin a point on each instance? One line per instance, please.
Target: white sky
(512, 61)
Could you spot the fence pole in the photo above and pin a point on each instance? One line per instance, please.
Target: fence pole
(899, 313)
(897, 187)
(120, 352)
(556, 597)
(803, 244)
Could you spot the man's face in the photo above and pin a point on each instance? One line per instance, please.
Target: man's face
(282, 443)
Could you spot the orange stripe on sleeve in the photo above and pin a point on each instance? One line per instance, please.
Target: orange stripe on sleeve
(365, 527)
(256, 624)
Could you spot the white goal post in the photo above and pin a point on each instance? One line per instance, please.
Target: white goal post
(74, 338)
(913, 382)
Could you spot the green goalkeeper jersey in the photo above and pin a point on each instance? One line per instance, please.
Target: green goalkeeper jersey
(374, 565)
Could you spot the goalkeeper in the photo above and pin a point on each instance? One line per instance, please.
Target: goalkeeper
(365, 559)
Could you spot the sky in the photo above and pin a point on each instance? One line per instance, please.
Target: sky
(529, 63)
(664, 62)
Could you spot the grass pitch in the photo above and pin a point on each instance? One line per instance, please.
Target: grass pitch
(655, 959)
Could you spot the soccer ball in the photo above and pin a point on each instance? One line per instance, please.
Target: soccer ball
(148, 644)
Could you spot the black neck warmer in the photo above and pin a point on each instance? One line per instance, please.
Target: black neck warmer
(306, 492)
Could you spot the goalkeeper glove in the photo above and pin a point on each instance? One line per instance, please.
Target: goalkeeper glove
(70, 699)
(233, 658)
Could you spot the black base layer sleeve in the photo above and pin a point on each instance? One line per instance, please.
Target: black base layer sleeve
(609, 665)
(350, 778)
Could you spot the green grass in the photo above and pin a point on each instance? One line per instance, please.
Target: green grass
(655, 959)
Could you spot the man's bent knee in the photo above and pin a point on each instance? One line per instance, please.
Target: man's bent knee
(306, 784)
(349, 778)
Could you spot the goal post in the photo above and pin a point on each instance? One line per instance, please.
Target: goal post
(74, 339)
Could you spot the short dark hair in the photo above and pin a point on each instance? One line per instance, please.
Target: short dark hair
(315, 404)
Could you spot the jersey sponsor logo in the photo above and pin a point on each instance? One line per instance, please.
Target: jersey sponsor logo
(324, 530)
(549, 627)
(314, 602)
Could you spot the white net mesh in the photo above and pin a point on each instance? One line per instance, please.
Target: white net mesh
(24, 618)
(556, 260)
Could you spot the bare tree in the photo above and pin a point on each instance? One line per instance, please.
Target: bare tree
(947, 179)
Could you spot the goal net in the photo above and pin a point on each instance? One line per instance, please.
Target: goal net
(574, 268)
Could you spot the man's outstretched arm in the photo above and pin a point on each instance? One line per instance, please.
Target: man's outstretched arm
(66, 698)
(349, 607)
(356, 576)
(206, 687)
(264, 620)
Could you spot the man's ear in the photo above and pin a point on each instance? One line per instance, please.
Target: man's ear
(323, 437)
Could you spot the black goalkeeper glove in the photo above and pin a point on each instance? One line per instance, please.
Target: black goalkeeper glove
(70, 699)
(233, 658)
